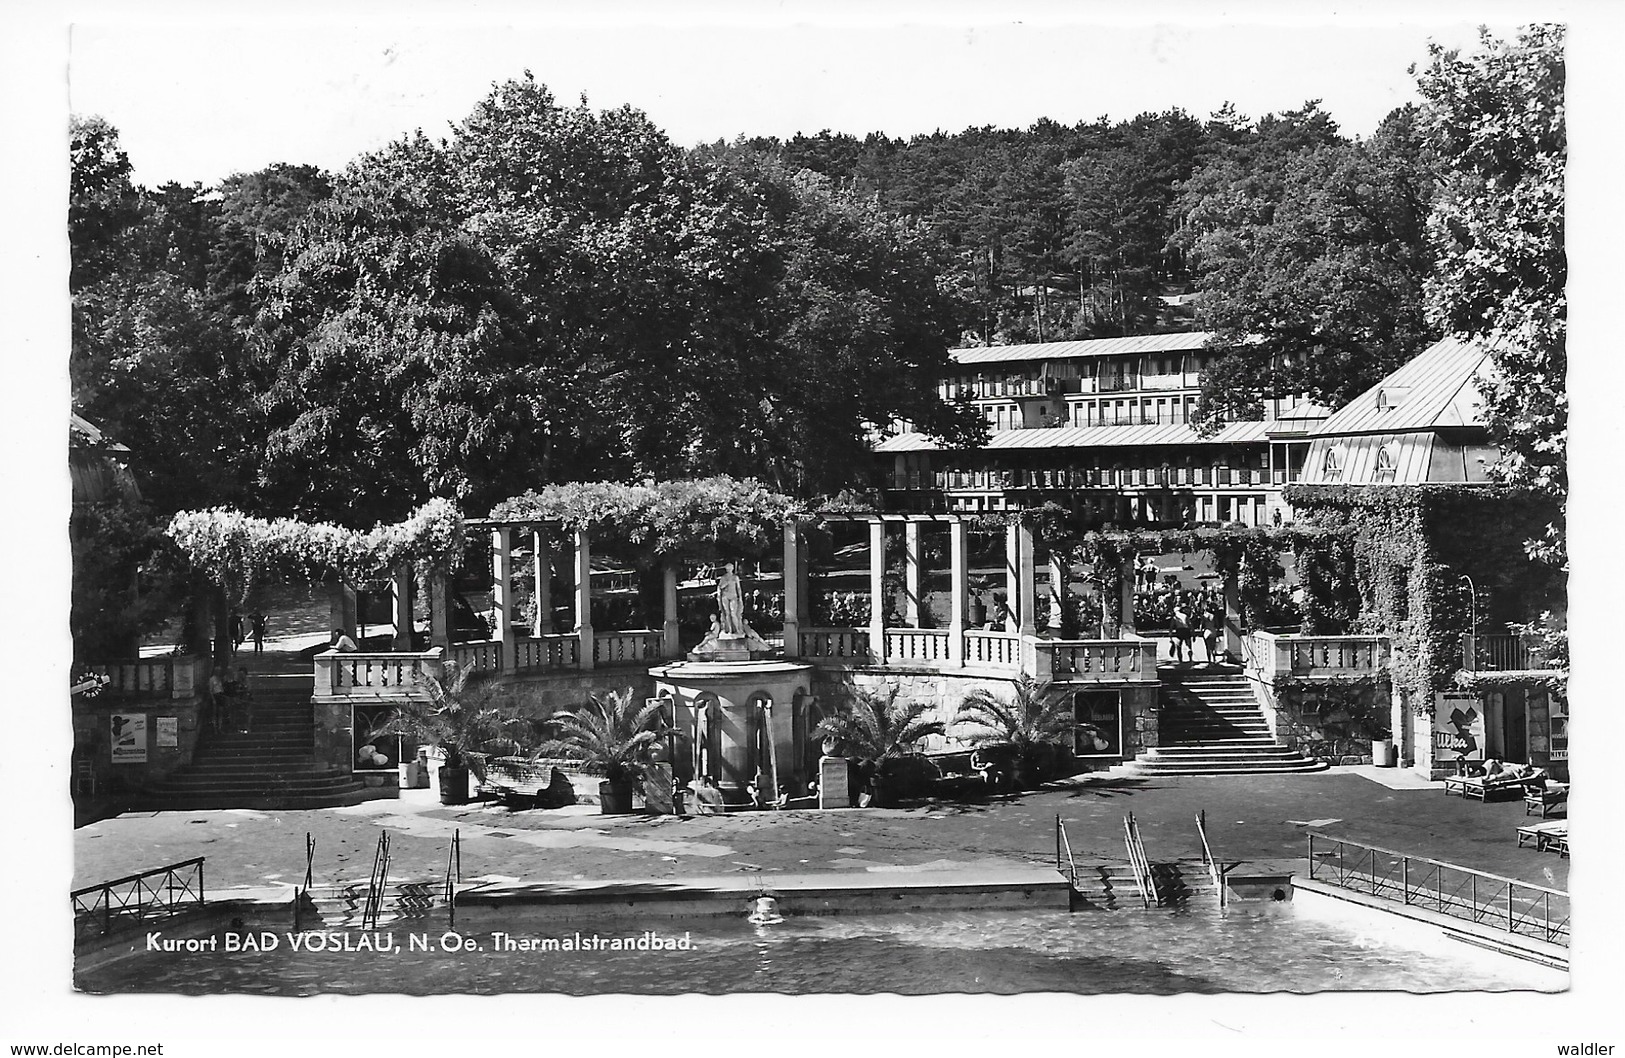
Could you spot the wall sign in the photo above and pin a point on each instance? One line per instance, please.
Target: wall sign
(169, 732)
(1560, 729)
(1097, 718)
(1458, 727)
(129, 738)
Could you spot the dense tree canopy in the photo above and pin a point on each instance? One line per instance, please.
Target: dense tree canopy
(1496, 119)
(1311, 258)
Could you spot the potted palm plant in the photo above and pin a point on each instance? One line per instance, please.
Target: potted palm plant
(608, 734)
(873, 729)
(463, 721)
(1036, 722)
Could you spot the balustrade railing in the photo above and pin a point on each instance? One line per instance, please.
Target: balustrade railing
(378, 675)
(1520, 908)
(173, 676)
(1112, 658)
(1268, 657)
(622, 648)
(835, 643)
(992, 648)
(551, 651)
(916, 645)
(483, 656)
(136, 898)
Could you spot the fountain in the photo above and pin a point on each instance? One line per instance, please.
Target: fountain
(742, 707)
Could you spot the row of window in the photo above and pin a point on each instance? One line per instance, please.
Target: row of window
(1140, 411)
(1116, 373)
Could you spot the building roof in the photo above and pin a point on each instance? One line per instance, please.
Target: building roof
(1150, 434)
(1183, 341)
(1435, 389)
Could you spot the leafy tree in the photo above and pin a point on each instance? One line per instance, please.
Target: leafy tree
(1497, 121)
(1311, 262)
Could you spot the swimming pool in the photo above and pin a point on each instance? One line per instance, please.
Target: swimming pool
(1298, 946)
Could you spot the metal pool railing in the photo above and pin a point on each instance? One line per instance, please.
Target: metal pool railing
(1520, 908)
(152, 894)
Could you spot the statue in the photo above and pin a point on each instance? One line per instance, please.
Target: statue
(730, 604)
(729, 637)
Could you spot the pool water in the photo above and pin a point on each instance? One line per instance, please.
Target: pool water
(1291, 947)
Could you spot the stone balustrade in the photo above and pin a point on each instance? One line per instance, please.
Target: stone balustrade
(375, 675)
(1099, 659)
(993, 649)
(835, 644)
(170, 676)
(927, 646)
(541, 653)
(1268, 657)
(627, 648)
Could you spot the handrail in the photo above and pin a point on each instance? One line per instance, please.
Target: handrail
(454, 873)
(377, 882)
(134, 903)
(1213, 870)
(1062, 843)
(1463, 900)
(1140, 864)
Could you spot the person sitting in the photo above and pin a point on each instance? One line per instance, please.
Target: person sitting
(707, 798)
(343, 643)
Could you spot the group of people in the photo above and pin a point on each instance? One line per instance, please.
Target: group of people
(231, 702)
(1196, 614)
(255, 625)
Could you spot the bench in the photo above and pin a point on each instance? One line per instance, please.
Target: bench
(1545, 799)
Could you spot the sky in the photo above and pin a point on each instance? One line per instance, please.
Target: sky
(200, 90)
(199, 102)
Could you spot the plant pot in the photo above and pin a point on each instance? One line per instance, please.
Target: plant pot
(454, 785)
(614, 799)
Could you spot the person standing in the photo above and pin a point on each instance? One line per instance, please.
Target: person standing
(1212, 629)
(1181, 623)
(237, 633)
(218, 701)
(258, 623)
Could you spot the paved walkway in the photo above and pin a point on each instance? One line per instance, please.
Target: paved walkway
(1257, 819)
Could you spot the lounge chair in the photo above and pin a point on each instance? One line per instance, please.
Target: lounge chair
(1542, 835)
(1545, 798)
(1482, 788)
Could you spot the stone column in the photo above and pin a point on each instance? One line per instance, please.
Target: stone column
(583, 585)
(1232, 614)
(542, 569)
(1026, 579)
(1125, 596)
(913, 579)
(671, 648)
(1057, 591)
(502, 595)
(792, 589)
(958, 588)
(439, 611)
(401, 599)
(341, 607)
(1012, 576)
(877, 589)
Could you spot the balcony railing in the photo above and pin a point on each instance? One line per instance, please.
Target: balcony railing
(1268, 657)
(1502, 653)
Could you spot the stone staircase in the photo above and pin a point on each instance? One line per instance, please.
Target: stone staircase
(271, 766)
(1210, 724)
(1111, 886)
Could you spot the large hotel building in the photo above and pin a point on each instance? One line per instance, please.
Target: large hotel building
(1103, 426)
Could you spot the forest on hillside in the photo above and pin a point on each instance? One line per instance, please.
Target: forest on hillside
(551, 293)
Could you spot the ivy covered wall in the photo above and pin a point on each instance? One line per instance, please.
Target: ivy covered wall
(1408, 547)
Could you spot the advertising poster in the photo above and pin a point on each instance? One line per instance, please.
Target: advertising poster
(169, 732)
(374, 752)
(129, 738)
(1098, 724)
(1458, 727)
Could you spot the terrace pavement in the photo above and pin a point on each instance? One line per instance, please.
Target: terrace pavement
(1259, 820)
